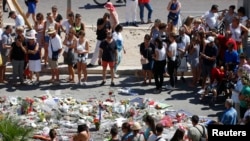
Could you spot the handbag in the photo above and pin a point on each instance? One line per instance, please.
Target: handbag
(183, 66)
(172, 16)
(55, 54)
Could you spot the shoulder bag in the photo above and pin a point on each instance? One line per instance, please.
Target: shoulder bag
(55, 54)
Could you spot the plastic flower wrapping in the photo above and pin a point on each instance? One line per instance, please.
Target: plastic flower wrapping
(246, 75)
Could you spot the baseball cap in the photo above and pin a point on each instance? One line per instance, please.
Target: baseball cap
(210, 39)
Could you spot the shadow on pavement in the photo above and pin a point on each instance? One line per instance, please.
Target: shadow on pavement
(95, 6)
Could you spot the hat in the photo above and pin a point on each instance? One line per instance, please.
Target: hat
(109, 6)
(210, 39)
(51, 30)
(198, 20)
(30, 36)
(11, 13)
(136, 126)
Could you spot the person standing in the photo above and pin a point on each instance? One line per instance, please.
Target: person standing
(17, 55)
(55, 45)
(4, 6)
(174, 7)
(103, 26)
(34, 57)
(57, 17)
(108, 56)
(5, 48)
(208, 55)
(19, 21)
(131, 11)
(171, 55)
(117, 36)
(159, 64)
(114, 21)
(78, 24)
(49, 23)
(211, 18)
(147, 49)
(82, 51)
(229, 116)
(39, 27)
(70, 43)
(31, 9)
(142, 4)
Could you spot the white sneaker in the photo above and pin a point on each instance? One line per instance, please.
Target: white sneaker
(169, 87)
(116, 75)
(201, 91)
(85, 83)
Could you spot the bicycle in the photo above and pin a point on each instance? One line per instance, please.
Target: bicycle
(103, 2)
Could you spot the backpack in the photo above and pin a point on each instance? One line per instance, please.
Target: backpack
(203, 135)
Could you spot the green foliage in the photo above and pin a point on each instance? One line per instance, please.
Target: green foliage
(12, 130)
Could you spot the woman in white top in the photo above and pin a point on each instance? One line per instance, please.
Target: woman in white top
(159, 64)
(82, 51)
(239, 32)
(171, 54)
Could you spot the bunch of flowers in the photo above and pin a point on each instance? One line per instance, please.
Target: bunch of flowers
(27, 105)
(97, 123)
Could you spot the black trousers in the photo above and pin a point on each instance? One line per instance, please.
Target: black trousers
(4, 4)
(159, 69)
(171, 68)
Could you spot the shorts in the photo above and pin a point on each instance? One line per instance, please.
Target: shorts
(4, 59)
(32, 7)
(148, 66)
(106, 63)
(81, 59)
(35, 65)
(53, 64)
(206, 70)
(46, 39)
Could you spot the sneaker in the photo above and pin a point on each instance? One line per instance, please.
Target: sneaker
(112, 84)
(85, 83)
(90, 65)
(157, 91)
(103, 82)
(169, 87)
(183, 79)
(201, 91)
(36, 83)
(135, 24)
(149, 21)
(116, 76)
(79, 83)
(142, 22)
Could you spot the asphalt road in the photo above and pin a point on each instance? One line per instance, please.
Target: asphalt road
(90, 11)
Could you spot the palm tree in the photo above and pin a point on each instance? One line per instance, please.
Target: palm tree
(12, 130)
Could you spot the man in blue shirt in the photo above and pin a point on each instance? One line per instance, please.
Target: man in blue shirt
(231, 58)
(229, 116)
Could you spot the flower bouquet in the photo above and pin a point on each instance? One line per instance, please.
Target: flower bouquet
(27, 105)
(97, 123)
